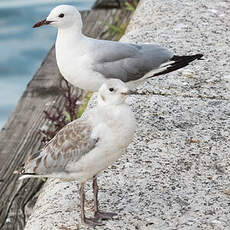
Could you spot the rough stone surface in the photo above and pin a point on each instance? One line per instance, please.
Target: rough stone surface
(175, 174)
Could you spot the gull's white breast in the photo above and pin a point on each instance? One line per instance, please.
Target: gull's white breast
(115, 130)
(75, 63)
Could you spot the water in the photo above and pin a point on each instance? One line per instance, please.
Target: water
(22, 49)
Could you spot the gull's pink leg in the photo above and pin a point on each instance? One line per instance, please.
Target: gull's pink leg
(92, 222)
(99, 214)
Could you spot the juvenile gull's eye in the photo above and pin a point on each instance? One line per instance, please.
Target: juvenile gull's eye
(111, 89)
(61, 15)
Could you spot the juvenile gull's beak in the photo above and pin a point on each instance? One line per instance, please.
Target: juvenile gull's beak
(129, 92)
(42, 23)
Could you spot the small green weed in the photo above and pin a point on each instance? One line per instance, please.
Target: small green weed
(131, 5)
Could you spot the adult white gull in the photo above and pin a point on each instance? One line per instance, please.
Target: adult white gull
(87, 63)
(88, 145)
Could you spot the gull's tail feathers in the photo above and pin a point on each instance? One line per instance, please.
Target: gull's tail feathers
(29, 175)
(175, 63)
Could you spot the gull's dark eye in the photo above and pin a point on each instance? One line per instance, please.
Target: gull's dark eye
(61, 15)
(111, 89)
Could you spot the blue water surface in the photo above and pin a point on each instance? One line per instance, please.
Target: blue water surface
(22, 48)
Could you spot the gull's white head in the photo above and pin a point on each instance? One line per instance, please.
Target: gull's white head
(113, 92)
(62, 16)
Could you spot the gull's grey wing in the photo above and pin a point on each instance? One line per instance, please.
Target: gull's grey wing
(110, 51)
(68, 145)
(128, 62)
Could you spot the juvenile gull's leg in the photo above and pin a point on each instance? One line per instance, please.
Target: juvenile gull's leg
(99, 214)
(92, 222)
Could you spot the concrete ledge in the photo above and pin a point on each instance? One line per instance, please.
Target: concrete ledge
(175, 174)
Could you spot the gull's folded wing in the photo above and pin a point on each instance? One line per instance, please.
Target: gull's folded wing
(128, 62)
(68, 145)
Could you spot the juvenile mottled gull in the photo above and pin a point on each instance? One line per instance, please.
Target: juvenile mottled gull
(86, 62)
(88, 145)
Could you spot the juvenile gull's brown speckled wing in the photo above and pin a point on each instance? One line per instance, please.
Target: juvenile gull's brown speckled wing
(68, 145)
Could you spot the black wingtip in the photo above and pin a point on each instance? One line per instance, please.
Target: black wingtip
(179, 62)
(22, 172)
(31, 174)
(188, 58)
(199, 56)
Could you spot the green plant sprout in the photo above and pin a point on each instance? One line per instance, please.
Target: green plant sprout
(131, 5)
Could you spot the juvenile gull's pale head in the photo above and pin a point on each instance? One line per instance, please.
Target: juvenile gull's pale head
(113, 92)
(62, 16)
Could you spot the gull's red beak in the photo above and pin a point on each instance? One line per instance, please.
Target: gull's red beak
(41, 23)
